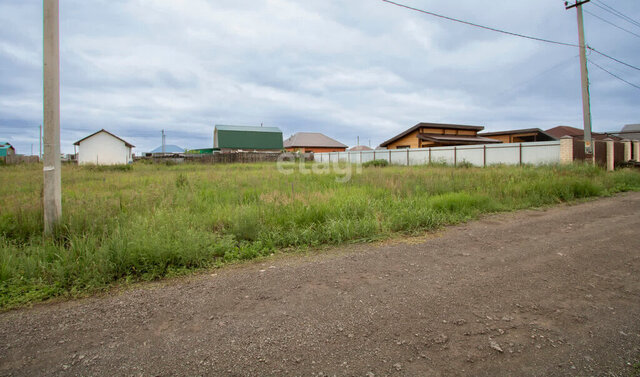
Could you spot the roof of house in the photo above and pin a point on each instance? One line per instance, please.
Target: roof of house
(105, 131)
(222, 127)
(513, 132)
(312, 139)
(168, 149)
(358, 148)
(5, 148)
(432, 125)
(4, 143)
(628, 132)
(458, 139)
(560, 131)
(247, 138)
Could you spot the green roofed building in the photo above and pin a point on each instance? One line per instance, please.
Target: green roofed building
(202, 151)
(232, 138)
(6, 149)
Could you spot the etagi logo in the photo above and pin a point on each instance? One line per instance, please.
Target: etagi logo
(289, 162)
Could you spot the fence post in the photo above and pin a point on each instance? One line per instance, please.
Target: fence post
(407, 156)
(455, 156)
(636, 150)
(610, 156)
(484, 155)
(360, 157)
(429, 155)
(566, 150)
(627, 150)
(389, 156)
(520, 152)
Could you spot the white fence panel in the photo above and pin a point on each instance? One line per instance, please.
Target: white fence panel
(350, 158)
(536, 153)
(471, 154)
(547, 152)
(382, 154)
(399, 156)
(442, 155)
(367, 156)
(419, 157)
(508, 154)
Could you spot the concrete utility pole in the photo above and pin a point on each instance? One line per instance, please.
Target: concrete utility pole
(584, 74)
(162, 141)
(40, 145)
(52, 200)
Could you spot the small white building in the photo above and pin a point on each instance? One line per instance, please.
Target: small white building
(103, 148)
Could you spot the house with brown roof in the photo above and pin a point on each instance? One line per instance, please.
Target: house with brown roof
(519, 136)
(576, 133)
(360, 148)
(312, 142)
(424, 135)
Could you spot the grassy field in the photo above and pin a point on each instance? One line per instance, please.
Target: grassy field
(122, 225)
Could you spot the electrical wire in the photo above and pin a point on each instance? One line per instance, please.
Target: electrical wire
(509, 33)
(611, 23)
(614, 75)
(611, 10)
(612, 58)
(481, 26)
(524, 83)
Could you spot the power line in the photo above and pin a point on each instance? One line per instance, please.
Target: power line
(615, 12)
(614, 75)
(612, 58)
(611, 23)
(481, 26)
(523, 84)
(508, 32)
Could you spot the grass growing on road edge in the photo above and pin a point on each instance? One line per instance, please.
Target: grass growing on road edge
(154, 220)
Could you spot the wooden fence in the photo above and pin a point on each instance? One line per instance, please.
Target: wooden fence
(14, 159)
(217, 158)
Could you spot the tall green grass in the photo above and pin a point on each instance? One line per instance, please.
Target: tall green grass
(151, 221)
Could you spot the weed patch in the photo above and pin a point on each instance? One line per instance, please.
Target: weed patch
(147, 221)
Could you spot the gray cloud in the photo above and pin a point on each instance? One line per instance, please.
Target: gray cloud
(358, 68)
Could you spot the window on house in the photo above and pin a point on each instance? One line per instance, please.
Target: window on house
(403, 147)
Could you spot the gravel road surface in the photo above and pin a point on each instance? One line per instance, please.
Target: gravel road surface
(539, 293)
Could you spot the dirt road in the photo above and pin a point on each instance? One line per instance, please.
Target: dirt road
(553, 292)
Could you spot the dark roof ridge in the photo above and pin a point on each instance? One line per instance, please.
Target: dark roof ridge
(103, 130)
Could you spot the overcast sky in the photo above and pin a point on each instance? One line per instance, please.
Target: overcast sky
(345, 68)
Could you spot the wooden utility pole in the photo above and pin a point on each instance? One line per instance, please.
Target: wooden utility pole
(584, 74)
(52, 201)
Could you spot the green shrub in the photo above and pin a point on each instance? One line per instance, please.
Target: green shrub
(465, 164)
(181, 181)
(376, 163)
(118, 167)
